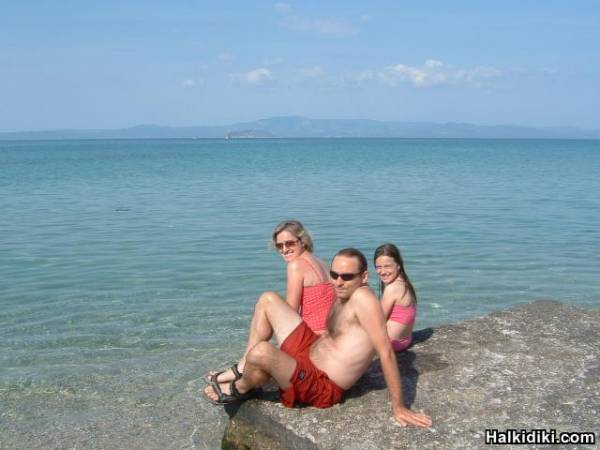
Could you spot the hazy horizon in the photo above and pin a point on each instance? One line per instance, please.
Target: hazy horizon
(201, 125)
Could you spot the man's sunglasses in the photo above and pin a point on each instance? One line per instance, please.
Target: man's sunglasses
(286, 244)
(343, 276)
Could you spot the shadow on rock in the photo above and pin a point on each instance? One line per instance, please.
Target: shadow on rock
(410, 366)
(373, 379)
(421, 335)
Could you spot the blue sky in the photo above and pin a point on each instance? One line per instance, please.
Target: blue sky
(113, 64)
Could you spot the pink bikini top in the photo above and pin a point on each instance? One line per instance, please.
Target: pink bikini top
(316, 301)
(404, 314)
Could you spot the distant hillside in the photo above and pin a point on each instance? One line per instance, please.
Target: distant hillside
(302, 127)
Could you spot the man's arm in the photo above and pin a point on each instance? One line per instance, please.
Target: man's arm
(371, 318)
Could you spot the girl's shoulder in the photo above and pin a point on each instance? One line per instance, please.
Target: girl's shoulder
(400, 292)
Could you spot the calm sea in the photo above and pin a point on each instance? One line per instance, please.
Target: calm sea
(129, 268)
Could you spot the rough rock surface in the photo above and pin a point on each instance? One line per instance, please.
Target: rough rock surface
(536, 366)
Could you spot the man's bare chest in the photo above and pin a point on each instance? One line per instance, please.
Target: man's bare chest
(341, 317)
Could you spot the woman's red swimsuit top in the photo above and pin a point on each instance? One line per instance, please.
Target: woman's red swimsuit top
(316, 301)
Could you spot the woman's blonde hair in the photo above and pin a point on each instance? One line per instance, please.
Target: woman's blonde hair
(297, 229)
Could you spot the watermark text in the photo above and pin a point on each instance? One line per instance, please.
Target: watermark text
(541, 437)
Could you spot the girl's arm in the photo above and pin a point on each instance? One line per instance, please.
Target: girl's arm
(392, 296)
(387, 303)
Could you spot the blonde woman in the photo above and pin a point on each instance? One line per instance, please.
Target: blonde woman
(310, 291)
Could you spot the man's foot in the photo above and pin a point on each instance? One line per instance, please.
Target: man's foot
(224, 376)
(224, 393)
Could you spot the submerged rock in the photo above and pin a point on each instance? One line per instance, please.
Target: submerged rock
(532, 367)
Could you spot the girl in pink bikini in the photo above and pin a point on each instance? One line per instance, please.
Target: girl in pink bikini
(309, 287)
(398, 299)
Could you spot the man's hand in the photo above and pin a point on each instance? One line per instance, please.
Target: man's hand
(407, 417)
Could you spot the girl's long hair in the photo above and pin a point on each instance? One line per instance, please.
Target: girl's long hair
(392, 251)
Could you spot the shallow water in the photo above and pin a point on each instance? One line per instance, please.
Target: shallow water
(128, 268)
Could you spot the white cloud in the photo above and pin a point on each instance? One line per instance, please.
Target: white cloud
(312, 72)
(431, 63)
(256, 77)
(399, 73)
(188, 83)
(433, 73)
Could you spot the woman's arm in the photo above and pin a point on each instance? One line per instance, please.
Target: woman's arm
(295, 284)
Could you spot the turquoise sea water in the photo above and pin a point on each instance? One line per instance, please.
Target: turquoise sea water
(129, 268)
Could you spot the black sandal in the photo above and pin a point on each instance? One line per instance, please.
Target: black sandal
(241, 397)
(224, 399)
(212, 378)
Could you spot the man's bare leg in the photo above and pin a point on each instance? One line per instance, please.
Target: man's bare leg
(263, 361)
(272, 315)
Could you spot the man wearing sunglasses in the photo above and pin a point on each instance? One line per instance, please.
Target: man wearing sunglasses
(316, 370)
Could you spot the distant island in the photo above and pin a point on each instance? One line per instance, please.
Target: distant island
(303, 127)
(248, 134)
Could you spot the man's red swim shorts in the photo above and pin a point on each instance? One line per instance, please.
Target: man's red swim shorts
(310, 385)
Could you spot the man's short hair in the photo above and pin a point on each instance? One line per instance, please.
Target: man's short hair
(354, 253)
